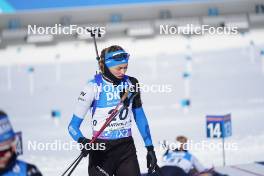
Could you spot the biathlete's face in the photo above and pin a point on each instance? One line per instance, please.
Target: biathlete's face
(5, 155)
(119, 71)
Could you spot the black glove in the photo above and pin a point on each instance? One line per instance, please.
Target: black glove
(151, 159)
(85, 147)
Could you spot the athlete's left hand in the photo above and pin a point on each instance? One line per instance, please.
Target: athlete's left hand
(151, 159)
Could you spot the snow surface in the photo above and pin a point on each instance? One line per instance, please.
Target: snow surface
(223, 80)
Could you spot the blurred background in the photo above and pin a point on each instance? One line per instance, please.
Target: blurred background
(209, 74)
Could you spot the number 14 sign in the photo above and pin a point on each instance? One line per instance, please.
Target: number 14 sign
(218, 126)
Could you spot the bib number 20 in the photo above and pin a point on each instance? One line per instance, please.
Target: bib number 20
(122, 115)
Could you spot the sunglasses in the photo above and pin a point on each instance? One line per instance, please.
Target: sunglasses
(3, 152)
(118, 57)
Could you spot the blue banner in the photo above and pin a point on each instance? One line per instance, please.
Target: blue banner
(9, 6)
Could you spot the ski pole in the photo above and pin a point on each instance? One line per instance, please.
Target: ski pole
(71, 165)
(95, 45)
(97, 58)
(76, 164)
(109, 119)
(94, 41)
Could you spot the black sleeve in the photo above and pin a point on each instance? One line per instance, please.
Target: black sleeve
(137, 100)
(33, 170)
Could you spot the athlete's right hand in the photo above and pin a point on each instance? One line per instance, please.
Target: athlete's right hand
(85, 145)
